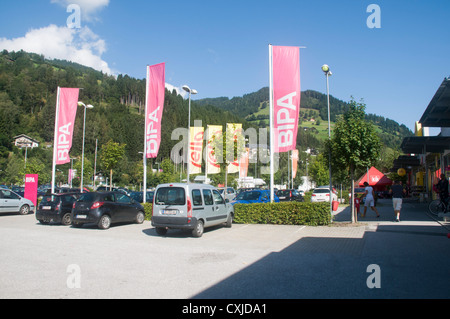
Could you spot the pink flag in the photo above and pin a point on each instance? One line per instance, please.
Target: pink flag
(286, 96)
(31, 187)
(66, 112)
(154, 108)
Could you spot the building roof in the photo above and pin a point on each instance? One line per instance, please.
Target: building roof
(425, 144)
(437, 114)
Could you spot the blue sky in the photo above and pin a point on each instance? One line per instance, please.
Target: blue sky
(220, 48)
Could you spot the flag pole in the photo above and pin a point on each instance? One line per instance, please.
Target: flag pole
(55, 142)
(144, 194)
(271, 135)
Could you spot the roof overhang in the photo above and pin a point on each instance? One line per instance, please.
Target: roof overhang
(425, 144)
(437, 114)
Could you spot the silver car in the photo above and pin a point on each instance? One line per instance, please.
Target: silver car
(189, 206)
(11, 202)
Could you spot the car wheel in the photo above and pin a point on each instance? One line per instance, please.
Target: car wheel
(140, 217)
(229, 221)
(198, 230)
(104, 222)
(161, 231)
(24, 210)
(66, 220)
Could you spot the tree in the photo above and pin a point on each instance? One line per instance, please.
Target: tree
(354, 144)
(318, 170)
(110, 155)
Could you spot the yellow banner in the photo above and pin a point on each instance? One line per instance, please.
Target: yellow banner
(234, 142)
(212, 166)
(196, 150)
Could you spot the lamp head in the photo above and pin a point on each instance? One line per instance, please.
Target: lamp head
(325, 68)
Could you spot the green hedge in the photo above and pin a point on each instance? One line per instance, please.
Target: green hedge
(148, 210)
(286, 213)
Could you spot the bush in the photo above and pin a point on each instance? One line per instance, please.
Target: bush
(286, 213)
(148, 207)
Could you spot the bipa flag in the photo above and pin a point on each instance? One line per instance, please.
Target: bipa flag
(286, 96)
(154, 108)
(212, 166)
(66, 111)
(196, 150)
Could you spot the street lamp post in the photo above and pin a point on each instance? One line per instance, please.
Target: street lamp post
(326, 70)
(190, 91)
(89, 106)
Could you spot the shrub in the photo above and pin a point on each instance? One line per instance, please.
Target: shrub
(285, 213)
(148, 207)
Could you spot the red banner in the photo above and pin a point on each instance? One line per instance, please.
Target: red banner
(286, 95)
(65, 119)
(154, 108)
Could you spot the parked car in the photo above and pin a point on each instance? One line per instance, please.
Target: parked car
(10, 202)
(230, 195)
(189, 206)
(56, 208)
(138, 196)
(322, 194)
(105, 208)
(290, 195)
(254, 196)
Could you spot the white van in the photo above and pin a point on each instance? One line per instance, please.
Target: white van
(189, 206)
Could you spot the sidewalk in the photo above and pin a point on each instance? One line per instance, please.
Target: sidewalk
(412, 212)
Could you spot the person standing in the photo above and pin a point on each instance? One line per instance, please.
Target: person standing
(442, 188)
(397, 192)
(370, 199)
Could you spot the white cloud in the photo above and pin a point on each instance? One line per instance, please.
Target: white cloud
(77, 45)
(179, 90)
(88, 7)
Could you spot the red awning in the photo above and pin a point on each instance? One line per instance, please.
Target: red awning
(374, 178)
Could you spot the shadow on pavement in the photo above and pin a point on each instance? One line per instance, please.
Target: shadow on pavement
(412, 258)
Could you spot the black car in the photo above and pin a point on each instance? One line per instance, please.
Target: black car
(105, 208)
(289, 195)
(56, 208)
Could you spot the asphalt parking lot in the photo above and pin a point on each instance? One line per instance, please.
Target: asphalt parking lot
(246, 261)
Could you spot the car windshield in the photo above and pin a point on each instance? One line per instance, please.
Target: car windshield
(248, 196)
(284, 193)
(170, 196)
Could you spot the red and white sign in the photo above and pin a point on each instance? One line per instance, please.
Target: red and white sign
(196, 150)
(286, 95)
(154, 108)
(65, 120)
(31, 187)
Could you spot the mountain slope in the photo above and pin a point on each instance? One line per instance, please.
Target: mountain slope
(313, 114)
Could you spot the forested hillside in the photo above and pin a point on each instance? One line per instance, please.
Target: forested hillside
(251, 106)
(28, 86)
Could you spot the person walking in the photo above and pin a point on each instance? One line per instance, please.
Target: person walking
(370, 199)
(397, 192)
